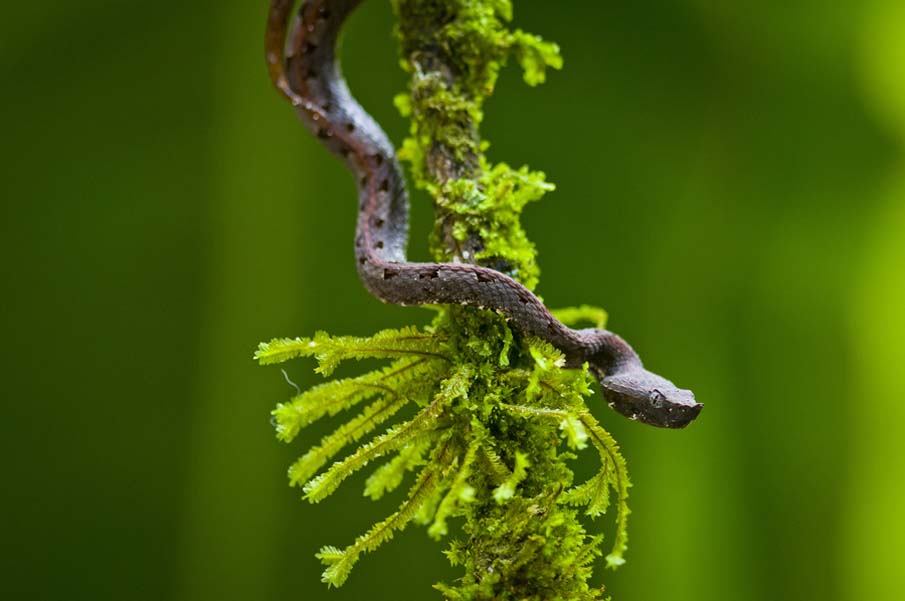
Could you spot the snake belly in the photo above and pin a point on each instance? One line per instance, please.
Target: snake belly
(305, 69)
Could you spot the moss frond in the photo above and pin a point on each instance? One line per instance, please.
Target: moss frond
(330, 351)
(616, 476)
(374, 415)
(400, 379)
(593, 493)
(459, 493)
(322, 486)
(389, 476)
(535, 55)
(339, 563)
(506, 490)
(496, 468)
(574, 432)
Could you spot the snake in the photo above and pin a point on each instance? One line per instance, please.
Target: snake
(303, 65)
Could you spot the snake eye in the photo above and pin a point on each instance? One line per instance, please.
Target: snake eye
(656, 397)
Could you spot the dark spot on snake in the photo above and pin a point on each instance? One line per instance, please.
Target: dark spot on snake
(389, 274)
(308, 48)
(433, 274)
(385, 185)
(324, 133)
(378, 158)
(363, 181)
(483, 277)
(379, 244)
(323, 13)
(350, 127)
(327, 107)
(362, 260)
(345, 151)
(312, 74)
(377, 221)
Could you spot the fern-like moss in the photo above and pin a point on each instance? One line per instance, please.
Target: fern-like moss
(388, 477)
(483, 443)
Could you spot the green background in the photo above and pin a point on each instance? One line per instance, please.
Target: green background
(731, 187)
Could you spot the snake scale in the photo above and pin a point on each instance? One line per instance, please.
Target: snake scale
(304, 67)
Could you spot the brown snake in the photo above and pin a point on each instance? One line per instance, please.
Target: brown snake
(305, 69)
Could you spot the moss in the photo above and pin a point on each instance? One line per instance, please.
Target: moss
(454, 50)
(498, 418)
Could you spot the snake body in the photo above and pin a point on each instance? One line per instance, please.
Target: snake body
(305, 69)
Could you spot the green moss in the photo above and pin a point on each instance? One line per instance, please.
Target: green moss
(472, 38)
(497, 421)
(454, 50)
(491, 207)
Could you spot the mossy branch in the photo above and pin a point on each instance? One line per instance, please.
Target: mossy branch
(498, 416)
(454, 50)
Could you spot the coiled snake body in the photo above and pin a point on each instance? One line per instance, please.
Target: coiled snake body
(305, 69)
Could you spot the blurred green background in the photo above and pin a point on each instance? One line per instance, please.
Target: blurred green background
(731, 187)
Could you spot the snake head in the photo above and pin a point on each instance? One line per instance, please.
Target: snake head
(650, 399)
